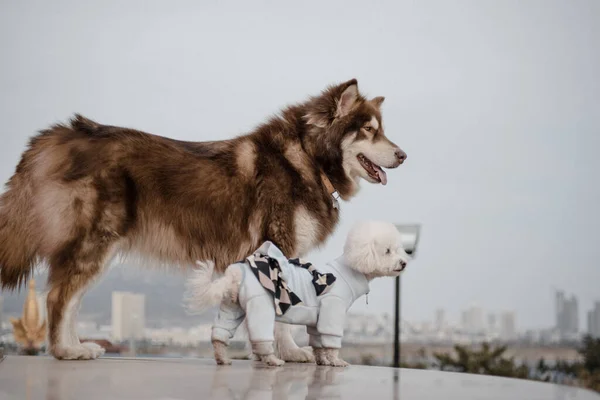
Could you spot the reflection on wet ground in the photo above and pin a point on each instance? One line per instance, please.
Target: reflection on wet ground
(45, 378)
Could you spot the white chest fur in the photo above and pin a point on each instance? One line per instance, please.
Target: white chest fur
(307, 229)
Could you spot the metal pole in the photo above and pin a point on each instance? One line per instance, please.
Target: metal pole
(397, 325)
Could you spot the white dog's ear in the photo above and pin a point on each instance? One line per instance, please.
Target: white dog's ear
(362, 256)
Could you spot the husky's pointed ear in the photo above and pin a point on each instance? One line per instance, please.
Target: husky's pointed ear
(348, 98)
(377, 101)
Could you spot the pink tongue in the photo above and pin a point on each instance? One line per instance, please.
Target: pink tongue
(382, 175)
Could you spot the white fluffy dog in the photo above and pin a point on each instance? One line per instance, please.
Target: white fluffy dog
(373, 249)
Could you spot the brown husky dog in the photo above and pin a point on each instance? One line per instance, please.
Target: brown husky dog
(84, 192)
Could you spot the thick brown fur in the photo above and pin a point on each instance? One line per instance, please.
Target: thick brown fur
(84, 191)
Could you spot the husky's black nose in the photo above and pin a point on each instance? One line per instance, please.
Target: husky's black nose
(400, 155)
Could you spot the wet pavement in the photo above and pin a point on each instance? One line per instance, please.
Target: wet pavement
(26, 378)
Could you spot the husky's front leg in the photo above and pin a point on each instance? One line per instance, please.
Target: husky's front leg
(287, 349)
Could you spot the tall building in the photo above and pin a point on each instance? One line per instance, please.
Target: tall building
(594, 320)
(508, 329)
(1, 311)
(567, 315)
(472, 320)
(128, 316)
(492, 323)
(440, 319)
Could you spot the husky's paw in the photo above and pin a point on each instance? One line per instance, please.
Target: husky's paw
(272, 361)
(320, 356)
(96, 349)
(84, 351)
(298, 355)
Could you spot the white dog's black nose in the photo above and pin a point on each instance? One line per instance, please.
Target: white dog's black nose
(402, 264)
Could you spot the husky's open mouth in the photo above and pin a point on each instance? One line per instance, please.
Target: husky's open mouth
(372, 169)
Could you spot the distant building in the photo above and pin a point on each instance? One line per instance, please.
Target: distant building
(440, 319)
(567, 315)
(492, 323)
(128, 316)
(594, 320)
(472, 320)
(1, 311)
(508, 329)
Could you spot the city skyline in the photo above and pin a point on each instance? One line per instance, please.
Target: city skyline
(482, 319)
(474, 324)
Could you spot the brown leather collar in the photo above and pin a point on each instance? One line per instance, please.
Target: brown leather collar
(327, 183)
(330, 189)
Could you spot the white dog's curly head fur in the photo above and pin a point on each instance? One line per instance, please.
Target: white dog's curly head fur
(375, 249)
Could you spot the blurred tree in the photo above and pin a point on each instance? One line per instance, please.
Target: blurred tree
(590, 380)
(590, 351)
(589, 370)
(487, 360)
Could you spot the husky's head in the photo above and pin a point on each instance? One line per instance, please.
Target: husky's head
(347, 138)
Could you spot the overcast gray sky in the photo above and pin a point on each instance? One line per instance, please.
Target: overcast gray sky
(497, 104)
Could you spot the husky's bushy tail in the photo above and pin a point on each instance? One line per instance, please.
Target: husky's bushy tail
(18, 242)
(202, 292)
(36, 197)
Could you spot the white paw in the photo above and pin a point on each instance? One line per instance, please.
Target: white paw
(96, 349)
(223, 361)
(84, 351)
(299, 355)
(338, 362)
(272, 361)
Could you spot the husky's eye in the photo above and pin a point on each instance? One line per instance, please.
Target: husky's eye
(368, 128)
(387, 251)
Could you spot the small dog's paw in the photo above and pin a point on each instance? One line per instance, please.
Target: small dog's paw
(338, 362)
(220, 351)
(320, 356)
(272, 361)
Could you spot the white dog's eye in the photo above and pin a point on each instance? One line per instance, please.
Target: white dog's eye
(387, 251)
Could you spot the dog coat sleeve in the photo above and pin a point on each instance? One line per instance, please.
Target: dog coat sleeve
(331, 321)
(227, 321)
(314, 337)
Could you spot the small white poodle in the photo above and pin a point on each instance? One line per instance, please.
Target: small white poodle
(267, 287)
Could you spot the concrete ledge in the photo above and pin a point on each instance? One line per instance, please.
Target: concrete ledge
(24, 377)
